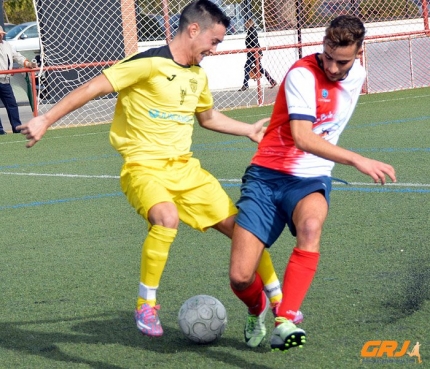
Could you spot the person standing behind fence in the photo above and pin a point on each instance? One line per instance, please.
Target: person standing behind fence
(251, 42)
(7, 57)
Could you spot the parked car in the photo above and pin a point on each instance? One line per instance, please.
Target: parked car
(8, 26)
(24, 37)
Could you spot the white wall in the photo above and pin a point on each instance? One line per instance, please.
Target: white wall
(225, 72)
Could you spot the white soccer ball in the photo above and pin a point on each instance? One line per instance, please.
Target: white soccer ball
(202, 319)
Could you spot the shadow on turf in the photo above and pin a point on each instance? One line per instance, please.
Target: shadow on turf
(112, 328)
(414, 292)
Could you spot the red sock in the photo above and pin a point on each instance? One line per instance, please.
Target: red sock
(298, 277)
(253, 296)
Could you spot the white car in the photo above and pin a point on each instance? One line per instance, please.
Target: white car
(8, 26)
(24, 37)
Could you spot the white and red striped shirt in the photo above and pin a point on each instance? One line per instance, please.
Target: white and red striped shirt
(307, 94)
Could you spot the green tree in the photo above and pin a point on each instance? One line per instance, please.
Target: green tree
(18, 11)
(380, 10)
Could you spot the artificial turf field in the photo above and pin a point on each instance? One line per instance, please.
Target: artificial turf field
(70, 252)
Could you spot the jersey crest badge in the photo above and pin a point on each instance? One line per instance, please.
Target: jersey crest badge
(193, 85)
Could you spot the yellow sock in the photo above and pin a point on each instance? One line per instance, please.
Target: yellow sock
(266, 270)
(155, 251)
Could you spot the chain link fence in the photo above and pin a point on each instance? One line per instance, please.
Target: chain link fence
(80, 38)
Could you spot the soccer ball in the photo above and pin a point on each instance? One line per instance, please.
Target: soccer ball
(202, 319)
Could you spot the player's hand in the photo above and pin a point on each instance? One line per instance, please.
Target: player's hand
(258, 130)
(34, 130)
(377, 170)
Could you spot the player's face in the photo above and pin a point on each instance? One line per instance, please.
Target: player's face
(206, 41)
(338, 61)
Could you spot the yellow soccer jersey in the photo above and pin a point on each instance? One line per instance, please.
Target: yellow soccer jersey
(157, 100)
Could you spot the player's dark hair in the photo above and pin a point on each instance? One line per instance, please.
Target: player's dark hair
(203, 12)
(345, 30)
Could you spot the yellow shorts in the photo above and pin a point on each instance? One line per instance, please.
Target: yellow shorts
(198, 196)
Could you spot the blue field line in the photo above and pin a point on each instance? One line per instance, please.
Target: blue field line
(225, 185)
(393, 150)
(227, 142)
(360, 189)
(63, 161)
(382, 189)
(396, 121)
(60, 201)
(223, 146)
(201, 147)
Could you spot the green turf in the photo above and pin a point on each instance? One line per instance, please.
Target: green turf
(70, 250)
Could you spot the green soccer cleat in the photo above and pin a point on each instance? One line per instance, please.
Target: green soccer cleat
(255, 330)
(286, 335)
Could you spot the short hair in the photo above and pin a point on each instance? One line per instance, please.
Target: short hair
(345, 30)
(203, 12)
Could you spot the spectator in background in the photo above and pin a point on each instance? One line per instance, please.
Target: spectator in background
(7, 57)
(251, 42)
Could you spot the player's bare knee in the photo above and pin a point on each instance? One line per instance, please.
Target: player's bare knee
(170, 222)
(167, 222)
(310, 229)
(165, 216)
(240, 281)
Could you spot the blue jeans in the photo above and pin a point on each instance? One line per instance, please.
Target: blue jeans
(9, 102)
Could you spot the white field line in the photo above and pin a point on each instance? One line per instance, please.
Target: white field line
(354, 183)
(389, 100)
(24, 141)
(390, 184)
(254, 115)
(231, 180)
(60, 175)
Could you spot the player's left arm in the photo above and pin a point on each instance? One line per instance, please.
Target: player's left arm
(215, 121)
(307, 140)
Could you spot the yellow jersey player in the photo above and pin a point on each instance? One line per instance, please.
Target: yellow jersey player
(160, 91)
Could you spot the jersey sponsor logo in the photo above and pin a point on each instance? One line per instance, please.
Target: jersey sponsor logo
(324, 96)
(157, 114)
(324, 117)
(171, 78)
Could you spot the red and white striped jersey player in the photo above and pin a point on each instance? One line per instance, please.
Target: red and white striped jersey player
(289, 179)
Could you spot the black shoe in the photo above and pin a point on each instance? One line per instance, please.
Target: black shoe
(2, 132)
(243, 88)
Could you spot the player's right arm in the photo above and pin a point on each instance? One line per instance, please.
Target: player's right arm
(36, 127)
(306, 140)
